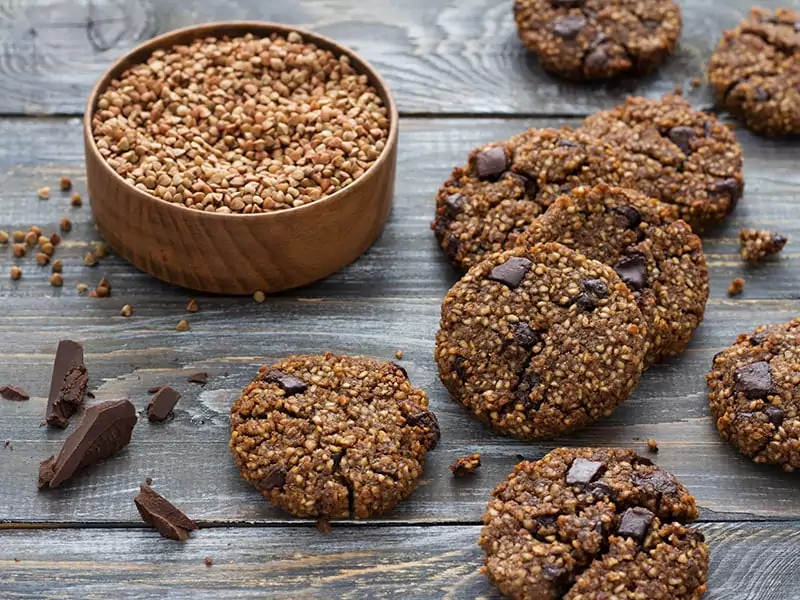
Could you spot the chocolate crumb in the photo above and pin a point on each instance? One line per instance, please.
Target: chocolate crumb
(163, 516)
(736, 287)
(90, 395)
(10, 392)
(154, 389)
(652, 446)
(466, 465)
(199, 378)
(68, 383)
(162, 404)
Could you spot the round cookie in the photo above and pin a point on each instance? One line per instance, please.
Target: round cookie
(754, 392)
(657, 256)
(332, 436)
(593, 524)
(755, 71)
(676, 154)
(540, 341)
(599, 39)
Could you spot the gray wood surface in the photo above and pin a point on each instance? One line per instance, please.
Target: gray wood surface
(443, 56)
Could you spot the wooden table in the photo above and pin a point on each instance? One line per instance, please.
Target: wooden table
(461, 78)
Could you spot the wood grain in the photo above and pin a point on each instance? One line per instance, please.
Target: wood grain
(443, 56)
(748, 562)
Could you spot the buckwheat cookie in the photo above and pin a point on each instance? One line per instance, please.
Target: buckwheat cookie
(754, 391)
(332, 436)
(676, 154)
(540, 341)
(755, 71)
(655, 255)
(593, 524)
(598, 39)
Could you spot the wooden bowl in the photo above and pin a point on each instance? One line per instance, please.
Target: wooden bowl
(236, 253)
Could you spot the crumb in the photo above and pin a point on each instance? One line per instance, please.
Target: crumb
(756, 245)
(42, 423)
(399, 355)
(81, 287)
(259, 296)
(695, 82)
(736, 287)
(652, 446)
(149, 481)
(90, 260)
(36, 229)
(192, 306)
(100, 249)
(32, 238)
(55, 239)
(56, 280)
(126, 311)
(65, 184)
(183, 325)
(209, 561)
(47, 247)
(678, 91)
(65, 225)
(4, 237)
(44, 193)
(18, 236)
(90, 395)
(16, 273)
(42, 259)
(6, 444)
(323, 525)
(466, 465)
(76, 200)
(19, 250)
(57, 266)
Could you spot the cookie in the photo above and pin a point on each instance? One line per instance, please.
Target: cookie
(540, 341)
(657, 256)
(755, 245)
(754, 392)
(755, 71)
(599, 39)
(676, 154)
(593, 524)
(332, 436)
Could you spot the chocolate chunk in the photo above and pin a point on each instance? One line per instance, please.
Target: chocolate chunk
(491, 162)
(596, 287)
(67, 385)
(455, 204)
(630, 214)
(199, 378)
(104, 430)
(569, 27)
(596, 60)
(631, 269)
(661, 481)
(525, 336)
(288, 383)
(567, 144)
(727, 187)
(162, 515)
(775, 415)
(567, 3)
(758, 338)
(529, 185)
(682, 136)
(511, 272)
(9, 392)
(459, 367)
(583, 471)
(635, 523)
(778, 242)
(754, 380)
(428, 422)
(524, 389)
(154, 389)
(161, 405)
(600, 489)
(401, 369)
(274, 479)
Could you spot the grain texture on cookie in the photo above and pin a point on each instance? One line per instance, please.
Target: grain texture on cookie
(593, 524)
(755, 71)
(754, 393)
(656, 255)
(540, 341)
(332, 436)
(599, 39)
(675, 154)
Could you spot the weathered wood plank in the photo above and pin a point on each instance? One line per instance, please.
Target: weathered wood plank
(748, 562)
(441, 56)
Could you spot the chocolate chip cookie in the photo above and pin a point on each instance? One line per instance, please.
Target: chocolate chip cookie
(332, 436)
(593, 524)
(754, 391)
(599, 39)
(676, 154)
(540, 341)
(657, 256)
(755, 71)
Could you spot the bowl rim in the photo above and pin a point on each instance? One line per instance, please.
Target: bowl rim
(184, 35)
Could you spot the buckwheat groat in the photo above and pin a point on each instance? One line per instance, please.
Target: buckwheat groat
(540, 341)
(597, 39)
(755, 71)
(754, 391)
(332, 436)
(757, 245)
(657, 256)
(675, 154)
(593, 524)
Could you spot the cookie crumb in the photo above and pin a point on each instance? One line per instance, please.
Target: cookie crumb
(19, 250)
(90, 260)
(81, 287)
(126, 311)
(76, 201)
(259, 296)
(42, 259)
(399, 355)
(695, 82)
(466, 465)
(65, 225)
(4, 237)
(652, 446)
(192, 306)
(65, 184)
(56, 280)
(44, 193)
(208, 561)
(736, 287)
(155, 389)
(183, 325)
(755, 245)
(149, 481)
(678, 89)
(57, 266)
(16, 273)
(199, 378)
(323, 525)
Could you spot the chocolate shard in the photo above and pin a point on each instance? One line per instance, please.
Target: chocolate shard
(491, 163)
(512, 272)
(68, 384)
(682, 137)
(288, 383)
(584, 471)
(274, 479)
(161, 405)
(428, 422)
(154, 389)
(162, 515)
(753, 380)
(525, 336)
(104, 430)
(633, 271)
(10, 392)
(635, 522)
(199, 378)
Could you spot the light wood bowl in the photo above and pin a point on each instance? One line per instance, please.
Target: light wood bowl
(235, 253)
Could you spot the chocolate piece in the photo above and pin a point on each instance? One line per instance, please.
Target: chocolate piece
(634, 523)
(728, 187)
(753, 380)
(466, 465)
(162, 515)
(569, 26)
(525, 336)
(567, 3)
(289, 384)
(631, 269)
(584, 471)
(427, 421)
(682, 136)
(104, 430)
(775, 415)
(596, 61)
(455, 204)
(161, 405)
(154, 389)
(596, 287)
(511, 272)
(459, 368)
(630, 214)
(199, 378)
(9, 392)
(491, 162)
(68, 384)
(274, 479)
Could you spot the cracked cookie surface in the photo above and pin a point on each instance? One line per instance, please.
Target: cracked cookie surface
(598, 39)
(540, 341)
(332, 436)
(755, 71)
(593, 524)
(656, 255)
(754, 393)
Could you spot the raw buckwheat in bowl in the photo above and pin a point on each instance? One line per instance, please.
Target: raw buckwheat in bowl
(235, 157)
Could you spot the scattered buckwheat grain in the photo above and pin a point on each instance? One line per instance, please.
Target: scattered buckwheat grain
(4, 237)
(42, 258)
(57, 266)
(31, 238)
(47, 247)
(55, 239)
(44, 193)
(76, 200)
(65, 225)
(90, 260)
(126, 311)
(19, 250)
(736, 287)
(259, 296)
(100, 249)
(56, 280)
(399, 355)
(652, 446)
(36, 229)
(18, 237)
(65, 183)
(82, 288)
(192, 306)
(16, 273)
(183, 325)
